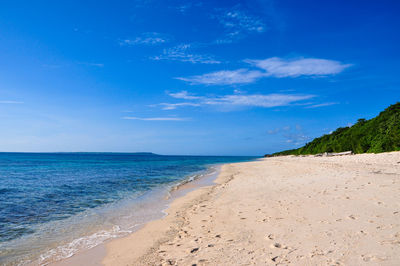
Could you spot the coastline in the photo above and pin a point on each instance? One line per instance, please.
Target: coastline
(140, 244)
(95, 255)
(336, 210)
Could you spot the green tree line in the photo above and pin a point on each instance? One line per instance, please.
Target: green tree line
(379, 134)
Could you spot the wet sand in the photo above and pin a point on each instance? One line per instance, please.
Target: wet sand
(94, 256)
(283, 210)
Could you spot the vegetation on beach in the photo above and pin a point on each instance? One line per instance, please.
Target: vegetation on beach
(379, 134)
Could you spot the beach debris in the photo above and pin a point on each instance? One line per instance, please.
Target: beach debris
(274, 258)
(328, 154)
(194, 250)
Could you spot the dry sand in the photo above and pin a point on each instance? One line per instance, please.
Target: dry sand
(284, 210)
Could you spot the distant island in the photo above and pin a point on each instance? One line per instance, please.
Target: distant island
(379, 134)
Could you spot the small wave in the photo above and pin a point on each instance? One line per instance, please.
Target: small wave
(82, 243)
(211, 170)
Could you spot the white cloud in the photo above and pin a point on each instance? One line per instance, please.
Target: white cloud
(296, 138)
(225, 77)
(258, 100)
(238, 22)
(154, 118)
(183, 8)
(173, 106)
(321, 105)
(183, 53)
(236, 100)
(184, 95)
(281, 68)
(10, 102)
(149, 38)
(271, 67)
(293, 135)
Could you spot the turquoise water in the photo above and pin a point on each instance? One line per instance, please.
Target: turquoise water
(55, 204)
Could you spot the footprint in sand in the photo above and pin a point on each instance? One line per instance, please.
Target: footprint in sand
(271, 237)
(373, 258)
(276, 245)
(352, 217)
(363, 232)
(171, 262)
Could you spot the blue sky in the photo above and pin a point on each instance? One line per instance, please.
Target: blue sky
(192, 77)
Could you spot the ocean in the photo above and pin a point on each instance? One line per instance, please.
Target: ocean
(53, 205)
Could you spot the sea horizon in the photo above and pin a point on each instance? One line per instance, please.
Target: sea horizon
(133, 153)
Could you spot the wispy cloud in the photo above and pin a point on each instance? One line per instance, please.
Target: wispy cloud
(225, 77)
(154, 118)
(238, 100)
(88, 64)
(173, 106)
(187, 6)
(271, 67)
(239, 19)
(273, 131)
(237, 22)
(280, 68)
(91, 64)
(11, 102)
(183, 8)
(279, 130)
(148, 38)
(183, 53)
(321, 105)
(293, 135)
(184, 95)
(258, 100)
(296, 138)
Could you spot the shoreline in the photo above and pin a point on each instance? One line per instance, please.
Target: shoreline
(184, 199)
(95, 255)
(307, 210)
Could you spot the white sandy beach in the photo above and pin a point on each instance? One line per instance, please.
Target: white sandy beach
(283, 210)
